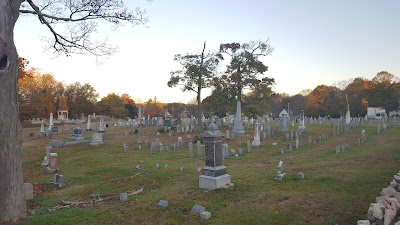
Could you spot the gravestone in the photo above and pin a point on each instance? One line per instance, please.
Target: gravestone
(281, 171)
(197, 209)
(101, 126)
(125, 148)
(162, 203)
(167, 147)
(89, 123)
(97, 139)
(256, 142)
(153, 147)
(337, 149)
(123, 197)
(190, 146)
(28, 191)
(53, 167)
(199, 151)
(77, 134)
(300, 175)
(214, 173)
(237, 124)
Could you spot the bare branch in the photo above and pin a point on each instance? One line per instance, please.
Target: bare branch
(80, 17)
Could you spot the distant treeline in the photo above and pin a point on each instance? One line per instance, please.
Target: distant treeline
(41, 94)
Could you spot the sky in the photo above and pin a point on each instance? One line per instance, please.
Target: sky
(315, 42)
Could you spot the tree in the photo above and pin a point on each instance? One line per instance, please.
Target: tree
(129, 105)
(357, 92)
(219, 103)
(81, 16)
(39, 94)
(23, 68)
(245, 65)
(112, 105)
(196, 74)
(80, 99)
(258, 101)
(154, 108)
(386, 92)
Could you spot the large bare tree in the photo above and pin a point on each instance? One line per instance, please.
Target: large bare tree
(71, 23)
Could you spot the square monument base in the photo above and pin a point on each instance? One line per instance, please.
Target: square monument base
(211, 183)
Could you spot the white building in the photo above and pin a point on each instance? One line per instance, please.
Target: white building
(376, 113)
(283, 114)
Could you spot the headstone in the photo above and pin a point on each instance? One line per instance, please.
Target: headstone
(162, 203)
(289, 146)
(205, 215)
(197, 209)
(77, 134)
(256, 142)
(240, 151)
(89, 123)
(123, 197)
(281, 171)
(214, 174)
(126, 148)
(337, 149)
(248, 146)
(199, 151)
(190, 146)
(233, 153)
(300, 175)
(97, 139)
(28, 191)
(153, 148)
(237, 124)
(101, 126)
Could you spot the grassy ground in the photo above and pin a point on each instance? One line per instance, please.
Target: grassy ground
(338, 188)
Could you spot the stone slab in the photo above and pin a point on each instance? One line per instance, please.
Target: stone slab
(212, 183)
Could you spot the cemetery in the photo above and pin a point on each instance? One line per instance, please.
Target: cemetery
(230, 133)
(330, 172)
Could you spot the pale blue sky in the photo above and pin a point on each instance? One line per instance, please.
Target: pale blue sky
(316, 42)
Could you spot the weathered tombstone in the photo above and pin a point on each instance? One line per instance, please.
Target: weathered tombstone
(153, 147)
(283, 125)
(248, 146)
(199, 151)
(287, 136)
(233, 153)
(197, 209)
(101, 126)
(289, 146)
(89, 123)
(337, 149)
(190, 146)
(52, 168)
(123, 197)
(309, 140)
(281, 171)
(28, 191)
(256, 142)
(126, 148)
(205, 215)
(42, 131)
(214, 174)
(282, 151)
(97, 139)
(77, 134)
(126, 132)
(269, 132)
(167, 147)
(300, 175)
(297, 141)
(162, 203)
(240, 151)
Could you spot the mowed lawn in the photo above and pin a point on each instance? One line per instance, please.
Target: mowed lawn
(337, 189)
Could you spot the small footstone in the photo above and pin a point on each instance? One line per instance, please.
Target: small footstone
(363, 222)
(300, 175)
(197, 209)
(123, 197)
(162, 203)
(205, 215)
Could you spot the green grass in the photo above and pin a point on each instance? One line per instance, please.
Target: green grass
(337, 188)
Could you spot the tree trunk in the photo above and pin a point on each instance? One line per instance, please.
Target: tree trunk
(12, 199)
(199, 87)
